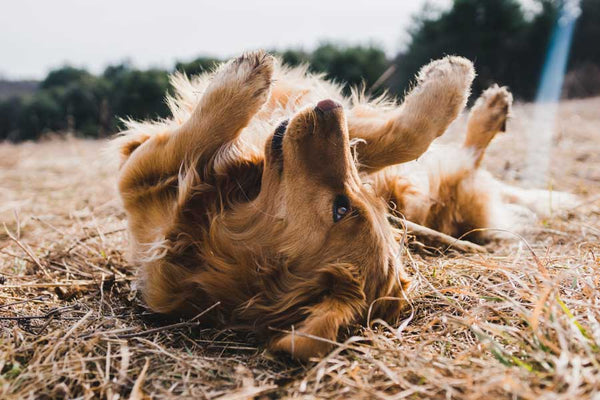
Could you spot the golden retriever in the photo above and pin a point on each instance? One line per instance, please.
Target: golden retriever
(269, 191)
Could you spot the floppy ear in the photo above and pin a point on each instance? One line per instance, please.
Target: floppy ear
(339, 301)
(315, 336)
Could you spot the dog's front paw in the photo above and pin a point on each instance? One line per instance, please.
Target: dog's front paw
(444, 86)
(452, 73)
(250, 74)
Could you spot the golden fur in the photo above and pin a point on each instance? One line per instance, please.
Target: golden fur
(222, 209)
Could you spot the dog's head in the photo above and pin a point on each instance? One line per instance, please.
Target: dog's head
(328, 219)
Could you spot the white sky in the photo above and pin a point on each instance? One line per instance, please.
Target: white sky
(36, 36)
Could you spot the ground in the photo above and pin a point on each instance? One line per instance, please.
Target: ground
(522, 321)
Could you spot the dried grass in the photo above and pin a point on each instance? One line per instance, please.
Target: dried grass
(521, 322)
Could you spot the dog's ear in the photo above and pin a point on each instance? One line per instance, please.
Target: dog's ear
(124, 144)
(342, 301)
(129, 146)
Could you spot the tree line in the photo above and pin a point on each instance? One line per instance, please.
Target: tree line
(507, 42)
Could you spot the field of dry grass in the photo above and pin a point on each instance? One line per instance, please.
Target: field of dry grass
(520, 322)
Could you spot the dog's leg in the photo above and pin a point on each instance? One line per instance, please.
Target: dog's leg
(465, 198)
(236, 93)
(161, 172)
(452, 197)
(488, 117)
(401, 135)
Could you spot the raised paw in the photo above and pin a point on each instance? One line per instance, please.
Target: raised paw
(456, 72)
(236, 92)
(248, 76)
(445, 84)
(402, 135)
(443, 87)
(488, 116)
(492, 108)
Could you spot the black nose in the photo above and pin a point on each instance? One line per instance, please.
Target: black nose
(328, 105)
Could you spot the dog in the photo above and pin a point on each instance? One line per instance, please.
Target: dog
(271, 193)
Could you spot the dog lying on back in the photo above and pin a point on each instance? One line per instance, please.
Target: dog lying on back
(270, 192)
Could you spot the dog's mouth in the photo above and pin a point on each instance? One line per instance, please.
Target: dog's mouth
(315, 138)
(277, 141)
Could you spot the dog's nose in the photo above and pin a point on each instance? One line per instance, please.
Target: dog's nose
(328, 105)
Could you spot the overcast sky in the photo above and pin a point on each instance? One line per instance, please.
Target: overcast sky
(36, 36)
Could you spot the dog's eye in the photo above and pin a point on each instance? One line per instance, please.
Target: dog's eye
(341, 207)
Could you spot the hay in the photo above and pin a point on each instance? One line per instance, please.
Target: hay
(520, 322)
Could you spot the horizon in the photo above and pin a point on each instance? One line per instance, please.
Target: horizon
(48, 41)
